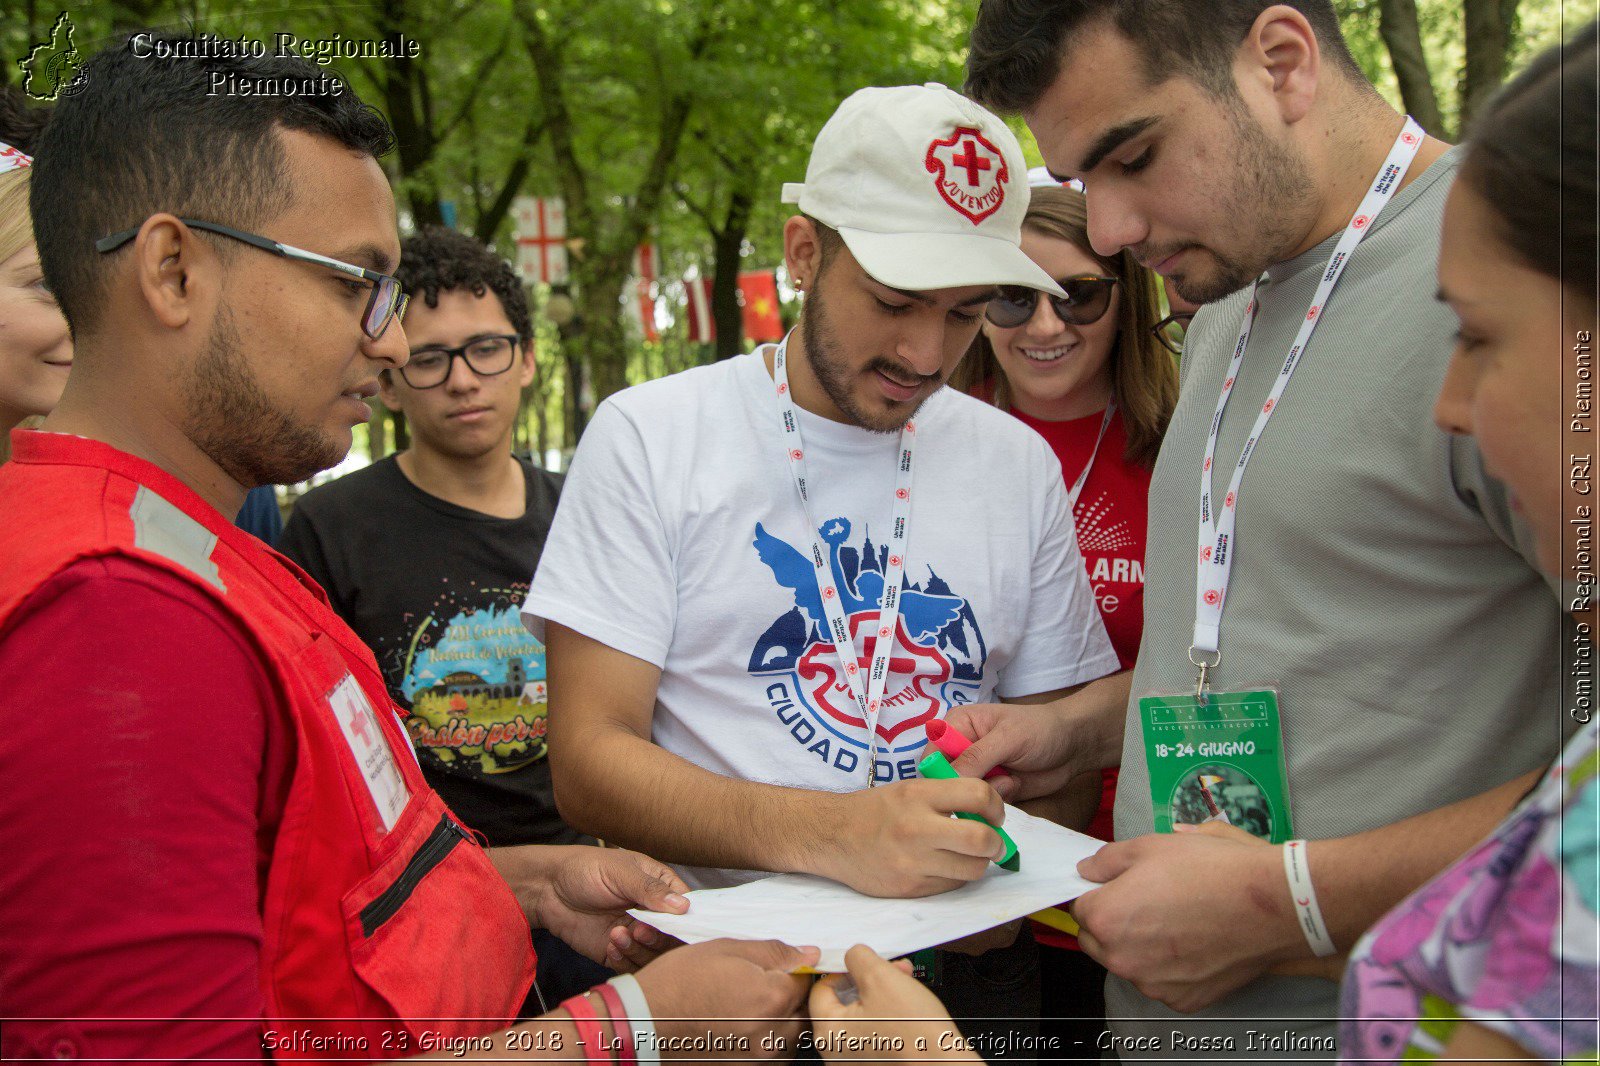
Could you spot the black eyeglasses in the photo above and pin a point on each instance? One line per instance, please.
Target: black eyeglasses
(1171, 330)
(1088, 296)
(428, 368)
(385, 303)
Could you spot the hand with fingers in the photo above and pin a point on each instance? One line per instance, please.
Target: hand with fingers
(899, 840)
(882, 1012)
(1191, 916)
(735, 999)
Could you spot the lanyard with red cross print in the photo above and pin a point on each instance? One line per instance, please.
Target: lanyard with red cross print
(869, 699)
(1218, 542)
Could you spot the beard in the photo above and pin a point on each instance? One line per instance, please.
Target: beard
(235, 424)
(1273, 186)
(833, 372)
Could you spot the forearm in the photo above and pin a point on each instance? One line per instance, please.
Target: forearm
(1098, 713)
(1358, 878)
(628, 791)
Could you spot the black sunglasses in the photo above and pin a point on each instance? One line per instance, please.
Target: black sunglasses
(386, 302)
(1088, 296)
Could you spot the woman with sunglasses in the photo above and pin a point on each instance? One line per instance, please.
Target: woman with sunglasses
(1091, 374)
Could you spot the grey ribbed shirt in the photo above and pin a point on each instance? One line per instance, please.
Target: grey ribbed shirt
(1379, 582)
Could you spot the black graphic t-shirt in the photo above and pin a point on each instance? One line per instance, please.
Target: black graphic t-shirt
(435, 589)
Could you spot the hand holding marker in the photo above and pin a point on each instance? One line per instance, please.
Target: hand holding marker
(935, 765)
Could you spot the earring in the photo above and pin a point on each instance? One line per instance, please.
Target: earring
(799, 284)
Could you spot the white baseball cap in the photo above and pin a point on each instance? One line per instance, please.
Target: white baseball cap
(927, 188)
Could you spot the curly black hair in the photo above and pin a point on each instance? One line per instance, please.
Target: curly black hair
(440, 259)
(20, 122)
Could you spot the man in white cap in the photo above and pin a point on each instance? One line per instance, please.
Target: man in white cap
(721, 527)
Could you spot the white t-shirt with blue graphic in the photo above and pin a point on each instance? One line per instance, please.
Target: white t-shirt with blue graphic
(680, 540)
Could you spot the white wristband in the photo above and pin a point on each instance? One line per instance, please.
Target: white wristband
(645, 1048)
(1297, 867)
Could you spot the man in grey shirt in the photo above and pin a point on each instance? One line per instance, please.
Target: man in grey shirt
(1379, 583)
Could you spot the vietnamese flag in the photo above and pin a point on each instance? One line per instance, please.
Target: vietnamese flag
(758, 291)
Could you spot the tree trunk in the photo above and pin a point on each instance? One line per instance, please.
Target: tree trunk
(603, 344)
(728, 249)
(404, 90)
(1402, 35)
(1489, 25)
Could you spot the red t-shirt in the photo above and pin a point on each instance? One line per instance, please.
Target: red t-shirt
(146, 761)
(1112, 513)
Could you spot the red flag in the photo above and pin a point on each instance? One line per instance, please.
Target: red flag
(702, 327)
(758, 290)
(644, 269)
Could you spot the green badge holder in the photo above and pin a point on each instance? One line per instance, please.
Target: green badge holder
(1217, 759)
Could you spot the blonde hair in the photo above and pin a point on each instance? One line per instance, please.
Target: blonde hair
(16, 225)
(1144, 376)
(16, 233)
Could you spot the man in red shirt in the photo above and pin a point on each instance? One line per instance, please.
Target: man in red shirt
(218, 842)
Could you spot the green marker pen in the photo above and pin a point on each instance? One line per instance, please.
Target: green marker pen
(936, 766)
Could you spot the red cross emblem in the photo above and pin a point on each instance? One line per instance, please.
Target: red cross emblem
(901, 494)
(883, 634)
(1312, 313)
(1228, 500)
(969, 172)
(1212, 597)
(1205, 553)
(1207, 464)
(911, 427)
(783, 387)
(1409, 138)
(1269, 405)
(1361, 222)
(851, 668)
(1228, 384)
(894, 560)
(797, 455)
(829, 593)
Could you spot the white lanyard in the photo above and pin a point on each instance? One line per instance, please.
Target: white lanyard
(869, 700)
(1077, 486)
(1218, 543)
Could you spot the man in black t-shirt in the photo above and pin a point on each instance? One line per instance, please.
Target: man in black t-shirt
(427, 556)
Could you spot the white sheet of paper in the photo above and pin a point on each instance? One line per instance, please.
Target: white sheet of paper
(805, 910)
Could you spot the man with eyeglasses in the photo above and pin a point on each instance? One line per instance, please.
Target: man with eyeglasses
(438, 607)
(218, 842)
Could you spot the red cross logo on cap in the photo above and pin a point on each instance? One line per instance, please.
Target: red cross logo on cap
(969, 172)
(1361, 222)
(1212, 597)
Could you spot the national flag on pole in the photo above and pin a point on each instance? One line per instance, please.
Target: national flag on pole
(758, 290)
(541, 238)
(644, 273)
(702, 327)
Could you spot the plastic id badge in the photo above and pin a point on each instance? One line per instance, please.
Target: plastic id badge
(1217, 761)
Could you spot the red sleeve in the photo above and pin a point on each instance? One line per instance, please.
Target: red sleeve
(139, 726)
